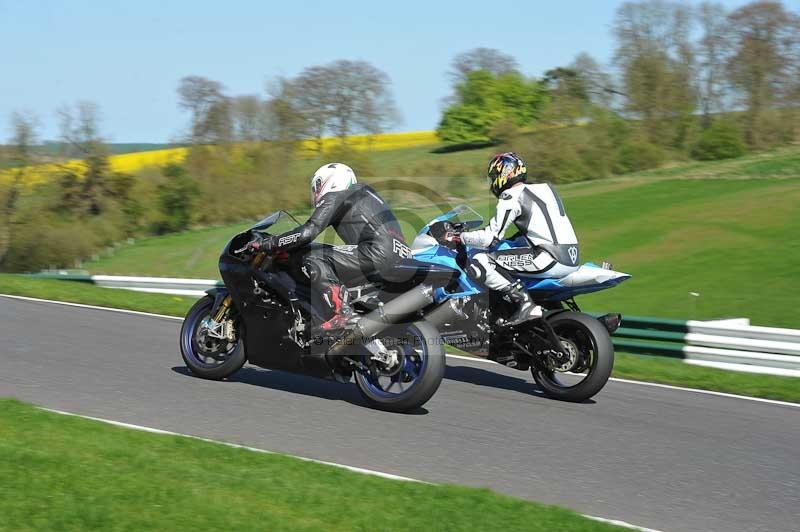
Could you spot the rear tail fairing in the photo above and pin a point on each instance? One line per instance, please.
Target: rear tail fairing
(585, 279)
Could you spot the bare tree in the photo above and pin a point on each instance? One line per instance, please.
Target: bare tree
(197, 94)
(655, 55)
(362, 100)
(344, 97)
(712, 51)
(247, 113)
(79, 128)
(313, 97)
(24, 126)
(488, 59)
(765, 38)
(211, 110)
(89, 191)
(596, 81)
(282, 121)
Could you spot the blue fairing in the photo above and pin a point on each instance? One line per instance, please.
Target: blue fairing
(445, 257)
(553, 290)
(543, 289)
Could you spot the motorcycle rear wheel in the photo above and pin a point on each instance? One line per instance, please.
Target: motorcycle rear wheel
(420, 373)
(586, 334)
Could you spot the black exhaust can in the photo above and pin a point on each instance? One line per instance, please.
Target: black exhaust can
(611, 321)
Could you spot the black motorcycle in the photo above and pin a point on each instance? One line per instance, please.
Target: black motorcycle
(263, 316)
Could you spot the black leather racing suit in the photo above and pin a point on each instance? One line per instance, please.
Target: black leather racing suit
(372, 239)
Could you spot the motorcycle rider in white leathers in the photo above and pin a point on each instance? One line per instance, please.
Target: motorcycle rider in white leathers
(545, 244)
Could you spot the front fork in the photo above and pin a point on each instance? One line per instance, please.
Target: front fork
(221, 308)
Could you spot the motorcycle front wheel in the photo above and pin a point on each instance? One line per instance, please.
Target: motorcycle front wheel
(205, 356)
(588, 364)
(415, 376)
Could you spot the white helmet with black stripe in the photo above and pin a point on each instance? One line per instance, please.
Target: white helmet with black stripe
(331, 177)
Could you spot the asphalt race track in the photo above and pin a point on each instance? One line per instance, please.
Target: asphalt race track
(654, 457)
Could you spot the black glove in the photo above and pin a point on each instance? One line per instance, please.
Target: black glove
(447, 235)
(265, 243)
(451, 240)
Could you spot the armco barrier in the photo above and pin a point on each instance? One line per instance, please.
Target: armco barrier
(730, 344)
(161, 285)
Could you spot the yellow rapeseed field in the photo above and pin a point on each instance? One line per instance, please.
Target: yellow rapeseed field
(381, 142)
(126, 163)
(133, 162)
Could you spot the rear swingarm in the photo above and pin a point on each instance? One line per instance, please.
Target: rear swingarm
(544, 332)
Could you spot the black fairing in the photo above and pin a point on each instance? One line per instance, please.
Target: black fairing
(267, 316)
(266, 299)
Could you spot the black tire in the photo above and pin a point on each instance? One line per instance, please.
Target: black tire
(432, 352)
(234, 358)
(587, 329)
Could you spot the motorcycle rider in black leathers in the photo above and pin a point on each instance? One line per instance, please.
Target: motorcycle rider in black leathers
(373, 241)
(545, 245)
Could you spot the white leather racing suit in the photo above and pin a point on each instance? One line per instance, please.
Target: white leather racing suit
(545, 245)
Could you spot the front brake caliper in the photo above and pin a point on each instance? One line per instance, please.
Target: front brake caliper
(220, 330)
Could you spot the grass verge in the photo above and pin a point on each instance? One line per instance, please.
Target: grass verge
(627, 366)
(65, 473)
(88, 294)
(678, 373)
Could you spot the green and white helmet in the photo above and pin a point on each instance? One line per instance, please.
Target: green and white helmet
(331, 177)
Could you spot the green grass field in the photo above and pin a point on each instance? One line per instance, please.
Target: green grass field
(419, 160)
(678, 373)
(628, 366)
(725, 230)
(89, 294)
(66, 473)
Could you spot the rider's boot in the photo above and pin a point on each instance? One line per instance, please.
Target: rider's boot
(336, 297)
(526, 308)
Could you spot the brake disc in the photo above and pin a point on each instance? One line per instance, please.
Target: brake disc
(563, 363)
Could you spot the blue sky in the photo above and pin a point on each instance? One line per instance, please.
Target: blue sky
(128, 56)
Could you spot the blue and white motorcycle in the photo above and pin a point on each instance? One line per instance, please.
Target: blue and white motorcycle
(569, 353)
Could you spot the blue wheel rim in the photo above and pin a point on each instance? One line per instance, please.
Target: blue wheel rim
(414, 365)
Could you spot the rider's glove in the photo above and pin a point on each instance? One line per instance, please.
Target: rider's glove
(262, 243)
(451, 239)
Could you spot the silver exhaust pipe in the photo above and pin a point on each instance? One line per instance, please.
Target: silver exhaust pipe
(386, 315)
(450, 311)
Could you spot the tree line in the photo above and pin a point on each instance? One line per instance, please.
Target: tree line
(685, 80)
(337, 99)
(700, 82)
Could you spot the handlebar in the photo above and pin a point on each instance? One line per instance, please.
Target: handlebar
(253, 236)
(242, 249)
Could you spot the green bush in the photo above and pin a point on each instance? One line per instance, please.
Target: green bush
(486, 106)
(636, 155)
(558, 155)
(176, 197)
(722, 140)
